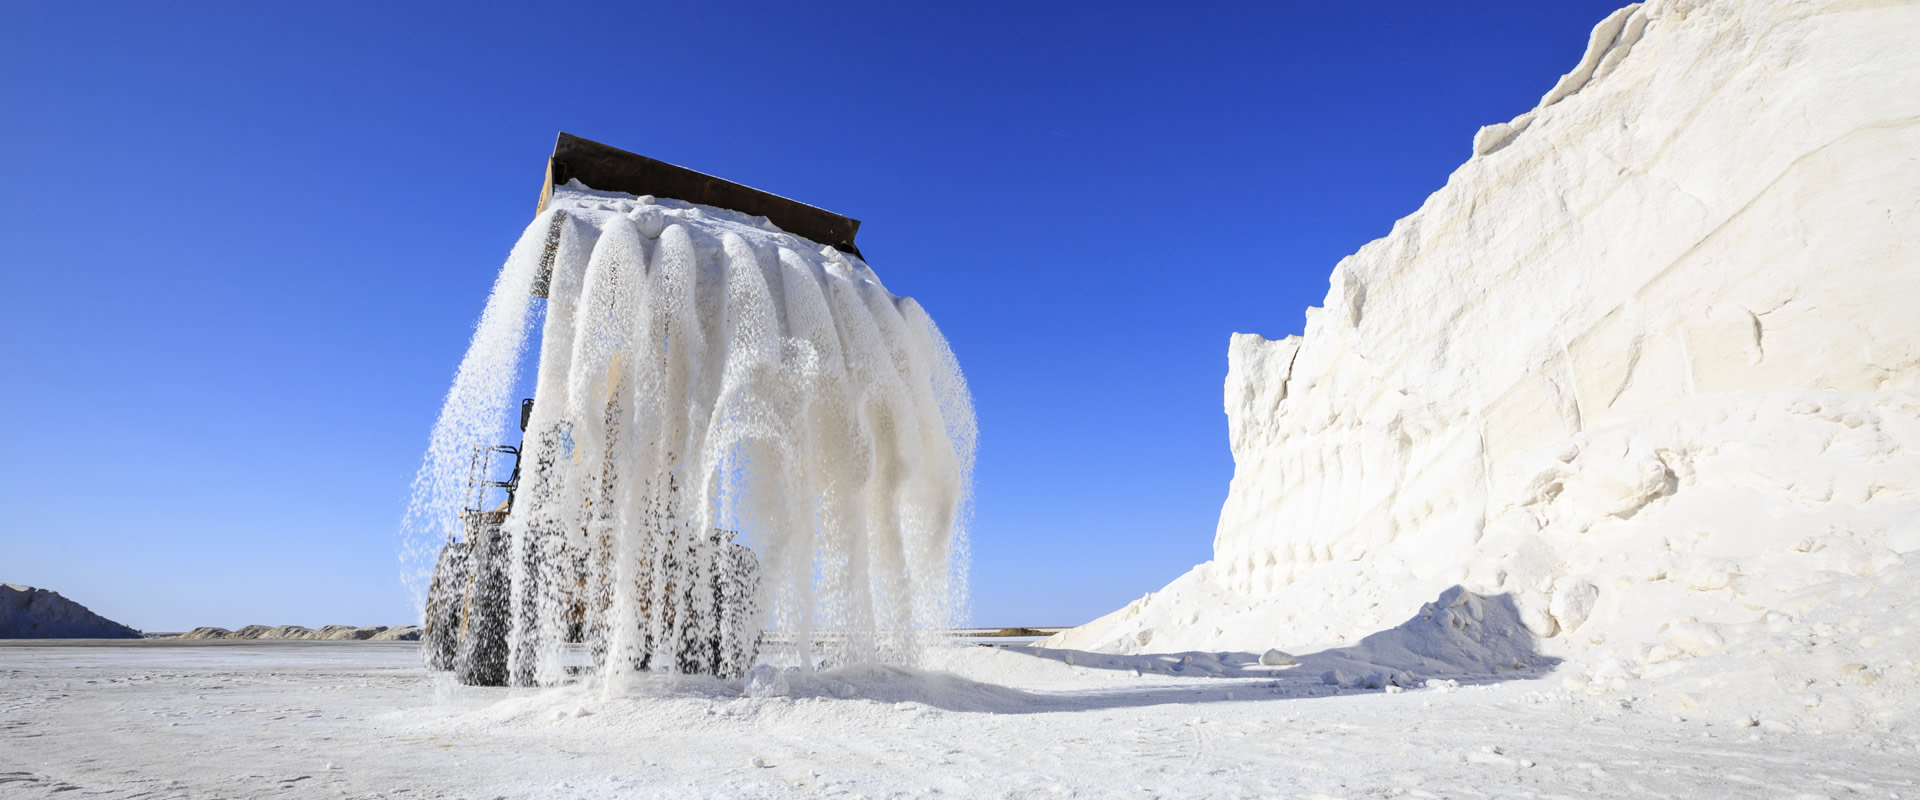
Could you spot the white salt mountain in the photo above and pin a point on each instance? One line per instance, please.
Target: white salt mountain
(30, 613)
(1643, 373)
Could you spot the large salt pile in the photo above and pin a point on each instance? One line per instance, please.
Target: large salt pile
(1647, 369)
(706, 383)
(30, 613)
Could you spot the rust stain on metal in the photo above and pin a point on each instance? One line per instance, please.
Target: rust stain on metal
(614, 170)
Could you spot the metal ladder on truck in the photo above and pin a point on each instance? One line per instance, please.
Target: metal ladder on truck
(467, 615)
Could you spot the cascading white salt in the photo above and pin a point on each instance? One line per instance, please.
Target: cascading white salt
(718, 404)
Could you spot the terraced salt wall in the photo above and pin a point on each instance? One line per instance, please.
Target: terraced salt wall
(1645, 370)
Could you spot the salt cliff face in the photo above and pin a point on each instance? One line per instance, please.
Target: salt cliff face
(1646, 365)
(29, 613)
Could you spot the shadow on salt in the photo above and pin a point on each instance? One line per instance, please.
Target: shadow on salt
(1460, 638)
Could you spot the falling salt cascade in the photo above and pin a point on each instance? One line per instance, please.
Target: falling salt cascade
(733, 429)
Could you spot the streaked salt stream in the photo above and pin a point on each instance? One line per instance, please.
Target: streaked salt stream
(703, 376)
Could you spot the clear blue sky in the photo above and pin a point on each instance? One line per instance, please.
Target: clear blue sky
(246, 244)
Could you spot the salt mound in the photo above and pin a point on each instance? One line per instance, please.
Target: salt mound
(29, 613)
(397, 633)
(375, 633)
(1646, 367)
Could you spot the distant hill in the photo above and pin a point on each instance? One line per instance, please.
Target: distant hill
(29, 613)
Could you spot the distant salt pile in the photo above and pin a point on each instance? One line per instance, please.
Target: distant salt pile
(29, 613)
(706, 380)
(1647, 368)
(335, 633)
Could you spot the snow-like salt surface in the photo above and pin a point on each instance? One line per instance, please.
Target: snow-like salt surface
(359, 719)
(1645, 372)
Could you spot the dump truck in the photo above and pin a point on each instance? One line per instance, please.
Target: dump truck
(470, 616)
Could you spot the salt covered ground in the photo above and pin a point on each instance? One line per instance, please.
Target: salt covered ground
(361, 719)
